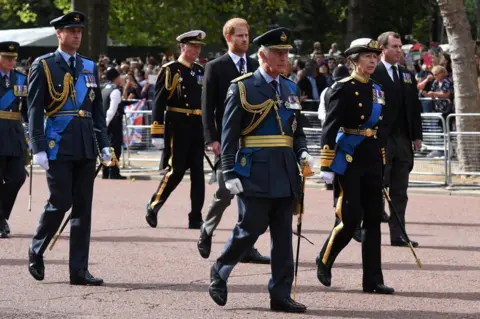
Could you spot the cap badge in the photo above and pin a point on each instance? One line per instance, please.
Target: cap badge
(199, 36)
(77, 18)
(11, 47)
(373, 44)
(283, 37)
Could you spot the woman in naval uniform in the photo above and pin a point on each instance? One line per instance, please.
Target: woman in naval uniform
(352, 157)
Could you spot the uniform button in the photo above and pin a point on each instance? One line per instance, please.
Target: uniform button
(360, 104)
(362, 117)
(186, 104)
(183, 87)
(376, 127)
(380, 118)
(185, 96)
(353, 82)
(356, 93)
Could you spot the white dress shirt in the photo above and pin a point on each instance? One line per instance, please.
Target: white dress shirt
(236, 60)
(388, 66)
(115, 99)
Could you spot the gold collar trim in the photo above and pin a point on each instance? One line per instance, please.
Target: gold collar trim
(184, 62)
(360, 78)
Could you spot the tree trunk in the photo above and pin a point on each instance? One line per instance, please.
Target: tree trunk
(95, 33)
(358, 20)
(462, 49)
(478, 22)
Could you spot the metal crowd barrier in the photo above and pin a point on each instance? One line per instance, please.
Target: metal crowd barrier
(436, 164)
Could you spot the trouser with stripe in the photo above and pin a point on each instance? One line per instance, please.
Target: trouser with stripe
(359, 194)
(186, 152)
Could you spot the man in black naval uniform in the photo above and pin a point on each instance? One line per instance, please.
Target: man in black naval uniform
(262, 145)
(178, 92)
(13, 146)
(112, 98)
(64, 89)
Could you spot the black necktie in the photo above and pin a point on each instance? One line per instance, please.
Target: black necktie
(275, 86)
(242, 66)
(396, 79)
(7, 81)
(72, 65)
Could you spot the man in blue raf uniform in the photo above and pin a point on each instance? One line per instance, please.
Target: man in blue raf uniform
(64, 89)
(13, 147)
(178, 91)
(262, 145)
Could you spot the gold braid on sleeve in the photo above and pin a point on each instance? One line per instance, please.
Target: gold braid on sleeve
(62, 97)
(263, 109)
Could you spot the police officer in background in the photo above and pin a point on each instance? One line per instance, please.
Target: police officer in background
(112, 98)
(178, 92)
(262, 145)
(64, 88)
(352, 157)
(13, 147)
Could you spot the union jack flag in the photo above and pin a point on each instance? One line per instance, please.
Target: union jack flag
(134, 135)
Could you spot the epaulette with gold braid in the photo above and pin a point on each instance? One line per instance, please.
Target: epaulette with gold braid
(58, 97)
(247, 75)
(167, 64)
(348, 78)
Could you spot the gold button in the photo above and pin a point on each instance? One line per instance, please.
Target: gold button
(353, 82)
(186, 104)
(376, 127)
(368, 132)
(360, 104)
(362, 117)
(81, 113)
(184, 95)
(188, 114)
(183, 87)
(380, 118)
(356, 93)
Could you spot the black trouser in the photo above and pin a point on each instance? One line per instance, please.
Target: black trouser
(115, 135)
(186, 152)
(397, 171)
(360, 195)
(12, 177)
(71, 185)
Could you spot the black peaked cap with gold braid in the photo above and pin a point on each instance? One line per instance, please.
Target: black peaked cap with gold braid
(278, 38)
(9, 48)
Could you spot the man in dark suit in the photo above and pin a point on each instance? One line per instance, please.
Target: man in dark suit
(13, 146)
(218, 74)
(402, 125)
(263, 144)
(64, 93)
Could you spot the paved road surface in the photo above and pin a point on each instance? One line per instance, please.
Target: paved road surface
(158, 273)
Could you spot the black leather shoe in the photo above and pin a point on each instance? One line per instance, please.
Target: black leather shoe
(254, 257)
(324, 274)
(36, 267)
(385, 217)
(287, 305)
(329, 187)
(84, 278)
(379, 289)
(195, 224)
(402, 242)
(357, 235)
(151, 216)
(218, 288)
(3, 233)
(204, 244)
(4, 225)
(117, 176)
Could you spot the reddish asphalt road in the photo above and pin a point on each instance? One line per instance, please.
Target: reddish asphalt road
(158, 273)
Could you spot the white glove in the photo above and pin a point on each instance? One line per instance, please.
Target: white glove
(41, 159)
(234, 186)
(307, 157)
(158, 142)
(327, 177)
(106, 155)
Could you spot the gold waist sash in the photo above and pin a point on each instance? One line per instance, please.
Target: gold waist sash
(185, 111)
(267, 141)
(368, 132)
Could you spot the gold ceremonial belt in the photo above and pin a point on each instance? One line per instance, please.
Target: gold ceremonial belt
(7, 115)
(185, 111)
(368, 132)
(267, 141)
(78, 113)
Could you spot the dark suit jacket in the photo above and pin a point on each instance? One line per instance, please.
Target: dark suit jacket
(218, 74)
(410, 98)
(75, 141)
(268, 172)
(12, 141)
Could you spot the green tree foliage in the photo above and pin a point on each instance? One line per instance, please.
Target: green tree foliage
(28, 13)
